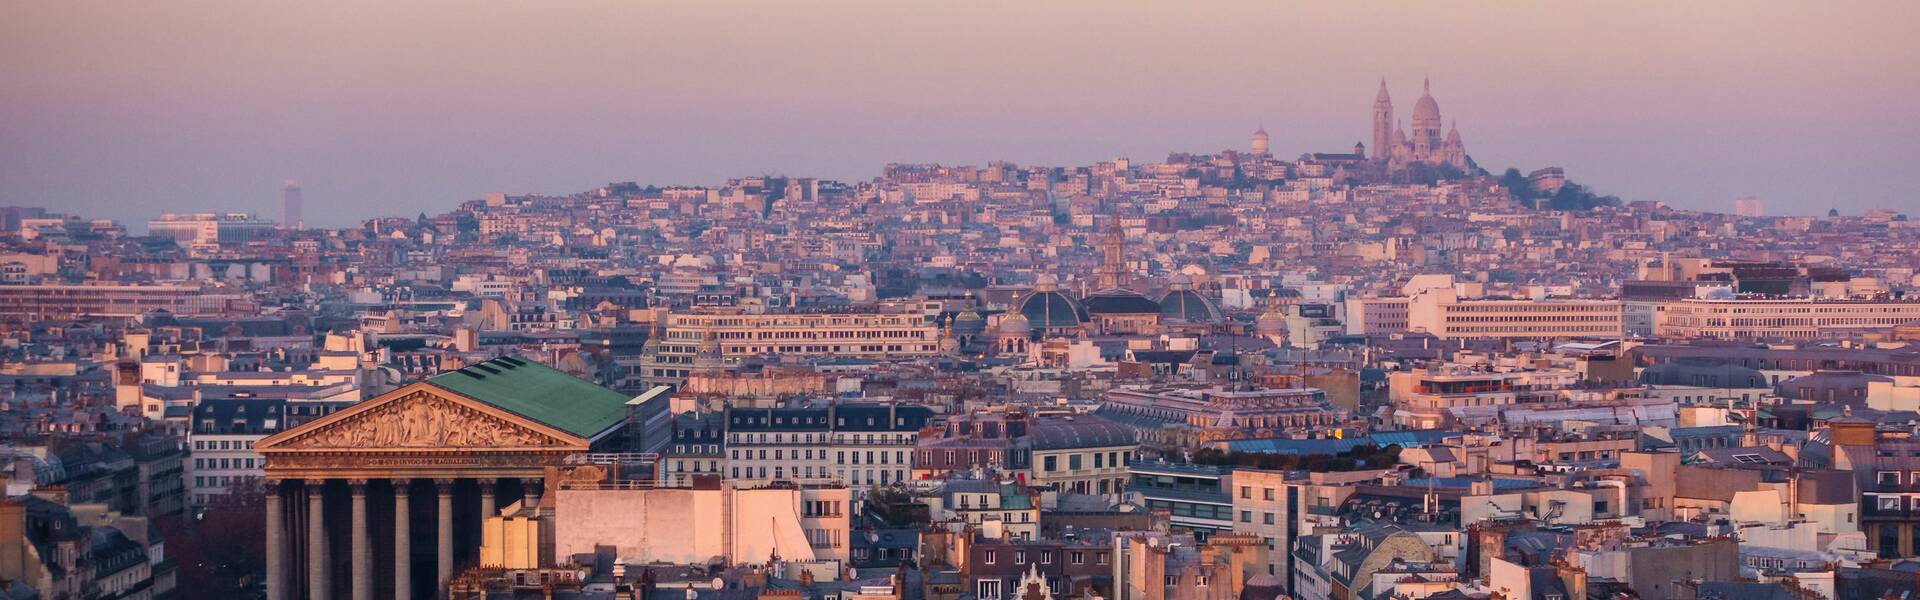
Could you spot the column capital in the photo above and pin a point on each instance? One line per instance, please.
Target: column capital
(359, 486)
(445, 486)
(313, 483)
(487, 481)
(400, 485)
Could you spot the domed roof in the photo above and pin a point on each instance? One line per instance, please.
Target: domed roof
(1182, 303)
(1426, 107)
(1015, 322)
(1270, 322)
(969, 322)
(1120, 301)
(1048, 307)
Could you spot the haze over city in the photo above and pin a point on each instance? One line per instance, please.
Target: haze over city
(796, 300)
(128, 110)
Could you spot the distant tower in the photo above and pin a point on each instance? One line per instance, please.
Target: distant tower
(1113, 258)
(290, 206)
(1260, 142)
(1382, 122)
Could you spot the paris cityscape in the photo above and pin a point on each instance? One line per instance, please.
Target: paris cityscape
(1385, 367)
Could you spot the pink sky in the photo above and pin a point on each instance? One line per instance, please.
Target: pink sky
(128, 109)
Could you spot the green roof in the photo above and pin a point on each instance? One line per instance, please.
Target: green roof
(539, 392)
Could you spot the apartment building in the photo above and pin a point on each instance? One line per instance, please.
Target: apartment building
(853, 444)
(713, 338)
(1082, 454)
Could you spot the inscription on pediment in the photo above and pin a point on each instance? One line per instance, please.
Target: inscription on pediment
(424, 420)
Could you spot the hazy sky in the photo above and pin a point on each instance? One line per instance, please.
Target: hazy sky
(128, 109)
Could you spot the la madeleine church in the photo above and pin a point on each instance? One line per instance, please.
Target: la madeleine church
(384, 499)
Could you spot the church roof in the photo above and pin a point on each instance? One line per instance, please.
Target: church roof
(540, 393)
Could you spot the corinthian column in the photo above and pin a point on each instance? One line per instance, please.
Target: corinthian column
(362, 548)
(317, 560)
(276, 543)
(487, 508)
(402, 542)
(445, 487)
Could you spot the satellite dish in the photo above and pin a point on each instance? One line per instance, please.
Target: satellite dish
(718, 584)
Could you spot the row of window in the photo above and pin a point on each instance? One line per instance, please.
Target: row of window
(222, 444)
(1045, 557)
(839, 457)
(229, 463)
(854, 477)
(1101, 460)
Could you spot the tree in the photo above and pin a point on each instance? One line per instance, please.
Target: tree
(223, 551)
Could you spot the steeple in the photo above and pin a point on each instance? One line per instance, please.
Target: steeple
(1382, 123)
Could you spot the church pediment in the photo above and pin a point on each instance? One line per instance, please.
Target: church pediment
(418, 419)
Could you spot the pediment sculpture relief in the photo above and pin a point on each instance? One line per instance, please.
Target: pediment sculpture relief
(425, 421)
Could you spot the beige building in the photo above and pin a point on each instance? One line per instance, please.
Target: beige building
(1443, 313)
(693, 525)
(1783, 318)
(713, 338)
(1447, 309)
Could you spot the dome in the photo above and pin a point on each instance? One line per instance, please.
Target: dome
(1048, 307)
(1271, 322)
(1184, 304)
(1426, 109)
(969, 322)
(1015, 323)
(1119, 301)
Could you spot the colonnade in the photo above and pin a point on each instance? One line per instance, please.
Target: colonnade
(300, 558)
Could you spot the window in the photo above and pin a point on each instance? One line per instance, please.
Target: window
(1246, 516)
(1076, 557)
(1246, 492)
(1020, 557)
(1051, 463)
(988, 589)
(1073, 462)
(1266, 518)
(1889, 478)
(987, 557)
(1266, 494)
(1889, 503)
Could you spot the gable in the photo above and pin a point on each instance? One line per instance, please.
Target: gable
(419, 417)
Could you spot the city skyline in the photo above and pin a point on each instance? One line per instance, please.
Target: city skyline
(372, 126)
